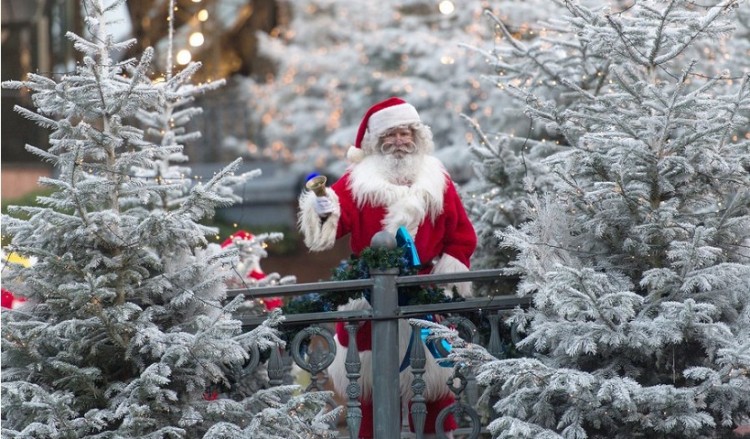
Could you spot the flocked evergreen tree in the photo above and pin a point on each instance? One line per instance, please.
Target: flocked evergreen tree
(504, 155)
(507, 157)
(635, 252)
(125, 325)
(167, 125)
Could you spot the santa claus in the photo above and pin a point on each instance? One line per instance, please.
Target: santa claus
(393, 181)
(251, 249)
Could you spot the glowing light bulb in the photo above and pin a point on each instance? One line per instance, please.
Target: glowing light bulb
(184, 57)
(196, 39)
(203, 15)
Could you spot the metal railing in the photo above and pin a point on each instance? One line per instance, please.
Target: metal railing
(384, 315)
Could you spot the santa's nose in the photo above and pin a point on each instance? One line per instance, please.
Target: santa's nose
(402, 137)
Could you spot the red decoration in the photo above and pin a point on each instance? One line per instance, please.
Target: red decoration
(254, 272)
(11, 301)
(240, 234)
(211, 395)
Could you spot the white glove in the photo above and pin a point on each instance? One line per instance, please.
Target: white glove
(323, 206)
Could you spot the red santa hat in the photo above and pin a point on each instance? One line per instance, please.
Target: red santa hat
(240, 235)
(381, 117)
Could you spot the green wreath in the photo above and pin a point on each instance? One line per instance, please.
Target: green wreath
(359, 268)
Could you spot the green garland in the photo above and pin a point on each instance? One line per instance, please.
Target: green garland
(382, 259)
(359, 268)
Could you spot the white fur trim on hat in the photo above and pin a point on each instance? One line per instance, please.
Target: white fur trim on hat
(391, 117)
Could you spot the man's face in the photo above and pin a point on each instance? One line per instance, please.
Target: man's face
(398, 142)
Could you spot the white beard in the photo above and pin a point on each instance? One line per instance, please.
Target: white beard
(399, 171)
(411, 189)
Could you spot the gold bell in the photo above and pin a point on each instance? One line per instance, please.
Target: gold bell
(317, 184)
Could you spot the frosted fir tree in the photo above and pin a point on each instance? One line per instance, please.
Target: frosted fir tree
(505, 155)
(507, 158)
(339, 57)
(507, 162)
(636, 255)
(166, 125)
(506, 171)
(124, 325)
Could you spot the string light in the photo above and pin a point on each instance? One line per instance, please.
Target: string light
(184, 57)
(196, 39)
(445, 59)
(446, 7)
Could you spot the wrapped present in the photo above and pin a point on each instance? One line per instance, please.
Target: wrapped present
(405, 241)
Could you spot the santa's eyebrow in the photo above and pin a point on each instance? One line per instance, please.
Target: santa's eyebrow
(404, 129)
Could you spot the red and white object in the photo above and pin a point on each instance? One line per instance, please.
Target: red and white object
(251, 249)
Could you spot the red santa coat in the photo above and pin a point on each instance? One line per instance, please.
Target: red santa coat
(366, 201)
(450, 232)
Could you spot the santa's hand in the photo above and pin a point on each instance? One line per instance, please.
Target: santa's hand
(323, 206)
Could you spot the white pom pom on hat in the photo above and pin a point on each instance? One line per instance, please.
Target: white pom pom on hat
(354, 154)
(381, 117)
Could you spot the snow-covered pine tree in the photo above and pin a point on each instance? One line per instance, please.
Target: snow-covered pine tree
(124, 326)
(507, 157)
(506, 170)
(506, 167)
(636, 254)
(166, 126)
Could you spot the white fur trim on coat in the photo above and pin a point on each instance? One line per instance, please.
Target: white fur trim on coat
(435, 376)
(449, 264)
(319, 234)
(406, 205)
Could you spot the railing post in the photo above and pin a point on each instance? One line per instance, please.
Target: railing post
(385, 358)
(275, 367)
(418, 407)
(495, 347)
(353, 390)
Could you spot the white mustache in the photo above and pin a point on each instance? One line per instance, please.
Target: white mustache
(390, 147)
